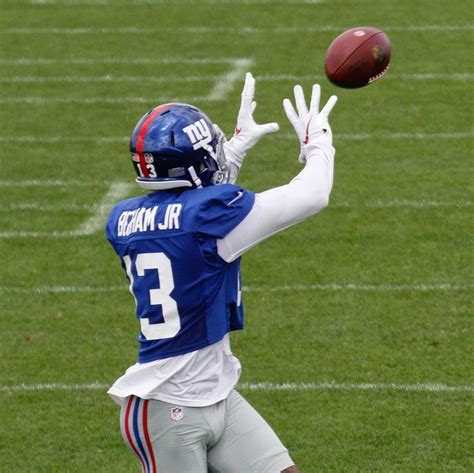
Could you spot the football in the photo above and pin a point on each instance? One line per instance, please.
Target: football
(358, 57)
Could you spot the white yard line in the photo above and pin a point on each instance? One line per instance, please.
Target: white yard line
(110, 78)
(50, 183)
(60, 289)
(395, 203)
(391, 136)
(115, 60)
(462, 76)
(333, 385)
(404, 203)
(240, 66)
(117, 191)
(225, 83)
(39, 207)
(424, 287)
(179, 2)
(99, 100)
(362, 287)
(283, 136)
(69, 2)
(437, 28)
(322, 386)
(63, 139)
(53, 387)
(28, 234)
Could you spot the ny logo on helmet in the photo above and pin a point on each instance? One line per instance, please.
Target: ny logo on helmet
(199, 134)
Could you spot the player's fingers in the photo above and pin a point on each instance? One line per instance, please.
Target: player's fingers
(329, 105)
(314, 107)
(300, 101)
(290, 112)
(249, 90)
(269, 128)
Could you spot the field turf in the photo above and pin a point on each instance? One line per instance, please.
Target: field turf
(358, 339)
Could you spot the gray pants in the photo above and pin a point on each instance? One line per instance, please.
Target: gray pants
(227, 437)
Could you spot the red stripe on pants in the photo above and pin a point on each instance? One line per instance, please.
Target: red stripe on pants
(147, 437)
(126, 422)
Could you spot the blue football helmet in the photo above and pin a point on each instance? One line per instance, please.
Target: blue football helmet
(175, 145)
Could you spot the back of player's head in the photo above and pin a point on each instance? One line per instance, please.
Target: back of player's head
(175, 145)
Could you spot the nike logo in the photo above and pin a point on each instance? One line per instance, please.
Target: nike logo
(238, 130)
(236, 198)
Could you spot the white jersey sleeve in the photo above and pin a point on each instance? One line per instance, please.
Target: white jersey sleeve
(279, 208)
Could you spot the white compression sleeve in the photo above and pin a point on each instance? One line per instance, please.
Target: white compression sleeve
(279, 208)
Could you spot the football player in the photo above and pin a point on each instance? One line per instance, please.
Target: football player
(180, 246)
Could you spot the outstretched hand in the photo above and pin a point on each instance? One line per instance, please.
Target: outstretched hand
(247, 131)
(311, 126)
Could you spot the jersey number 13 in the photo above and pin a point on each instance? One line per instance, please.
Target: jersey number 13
(158, 296)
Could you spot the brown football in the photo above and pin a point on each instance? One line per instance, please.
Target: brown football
(358, 57)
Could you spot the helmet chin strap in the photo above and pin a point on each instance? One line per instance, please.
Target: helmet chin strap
(222, 175)
(194, 177)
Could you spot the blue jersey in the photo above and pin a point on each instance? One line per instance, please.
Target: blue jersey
(187, 297)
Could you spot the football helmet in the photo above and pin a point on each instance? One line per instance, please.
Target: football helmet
(176, 145)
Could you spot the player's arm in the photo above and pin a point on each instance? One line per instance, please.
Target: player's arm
(305, 195)
(246, 135)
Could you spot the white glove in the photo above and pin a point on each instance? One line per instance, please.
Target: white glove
(247, 131)
(312, 127)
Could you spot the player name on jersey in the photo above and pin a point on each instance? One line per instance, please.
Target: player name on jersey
(144, 219)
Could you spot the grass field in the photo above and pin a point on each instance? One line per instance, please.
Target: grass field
(358, 340)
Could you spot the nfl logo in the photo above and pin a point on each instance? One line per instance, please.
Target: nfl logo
(148, 158)
(177, 413)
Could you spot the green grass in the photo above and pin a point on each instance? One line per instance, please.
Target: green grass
(400, 216)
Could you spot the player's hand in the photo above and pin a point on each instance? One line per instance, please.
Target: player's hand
(311, 126)
(247, 131)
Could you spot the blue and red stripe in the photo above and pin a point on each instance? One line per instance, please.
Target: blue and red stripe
(139, 439)
(147, 436)
(136, 432)
(141, 133)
